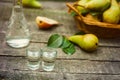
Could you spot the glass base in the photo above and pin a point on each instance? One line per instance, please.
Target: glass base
(48, 66)
(33, 65)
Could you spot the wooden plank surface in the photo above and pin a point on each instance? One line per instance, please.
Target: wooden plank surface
(18, 75)
(65, 66)
(102, 54)
(103, 64)
(74, 70)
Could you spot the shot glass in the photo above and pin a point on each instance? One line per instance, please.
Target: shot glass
(48, 58)
(33, 58)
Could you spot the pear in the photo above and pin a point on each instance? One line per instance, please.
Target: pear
(45, 23)
(112, 15)
(80, 7)
(77, 39)
(98, 5)
(88, 42)
(82, 2)
(31, 3)
(93, 17)
(82, 10)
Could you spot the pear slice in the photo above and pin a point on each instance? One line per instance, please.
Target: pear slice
(45, 23)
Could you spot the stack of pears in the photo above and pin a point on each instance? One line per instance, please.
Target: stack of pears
(103, 10)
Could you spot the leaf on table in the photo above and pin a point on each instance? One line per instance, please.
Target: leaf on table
(55, 41)
(69, 50)
(66, 43)
(58, 41)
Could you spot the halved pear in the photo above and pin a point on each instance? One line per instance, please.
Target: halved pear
(45, 23)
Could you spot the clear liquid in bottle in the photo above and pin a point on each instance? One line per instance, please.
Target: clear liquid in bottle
(17, 35)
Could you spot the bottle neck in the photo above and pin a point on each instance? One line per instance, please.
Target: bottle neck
(17, 6)
(17, 2)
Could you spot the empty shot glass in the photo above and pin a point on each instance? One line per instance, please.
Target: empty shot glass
(48, 58)
(33, 58)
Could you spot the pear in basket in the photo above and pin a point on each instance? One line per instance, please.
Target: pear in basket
(80, 6)
(98, 5)
(112, 15)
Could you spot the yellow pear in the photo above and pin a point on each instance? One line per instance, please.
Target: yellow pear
(112, 15)
(88, 42)
(80, 6)
(77, 39)
(97, 4)
(82, 10)
(31, 3)
(82, 2)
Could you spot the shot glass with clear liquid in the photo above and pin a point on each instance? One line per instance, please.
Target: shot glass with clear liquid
(33, 58)
(48, 58)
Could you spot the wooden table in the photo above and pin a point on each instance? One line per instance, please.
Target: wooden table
(103, 64)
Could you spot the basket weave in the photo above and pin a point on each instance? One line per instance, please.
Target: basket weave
(100, 29)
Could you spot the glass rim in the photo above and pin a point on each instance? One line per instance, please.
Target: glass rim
(48, 49)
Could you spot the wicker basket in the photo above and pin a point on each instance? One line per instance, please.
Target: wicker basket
(100, 29)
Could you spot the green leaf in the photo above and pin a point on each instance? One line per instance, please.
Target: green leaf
(69, 50)
(66, 43)
(58, 41)
(55, 41)
(73, 13)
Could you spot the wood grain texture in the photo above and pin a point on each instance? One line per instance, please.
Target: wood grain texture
(33, 75)
(102, 53)
(64, 66)
(91, 77)
(29, 75)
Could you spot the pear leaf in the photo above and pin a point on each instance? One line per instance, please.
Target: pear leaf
(73, 13)
(58, 41)
(66, 43)
(69, 50)
(55, 41)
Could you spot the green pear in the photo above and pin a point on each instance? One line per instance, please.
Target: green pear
(98, 5)
(88, 42)
(77, 39)
(80, 7)
(112, 15)
(31, 3)
(82, 10)
(83, 2)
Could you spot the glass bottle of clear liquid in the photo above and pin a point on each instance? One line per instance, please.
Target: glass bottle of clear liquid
(17, 35)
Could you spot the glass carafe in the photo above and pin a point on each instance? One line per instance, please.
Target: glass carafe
(17, 35)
